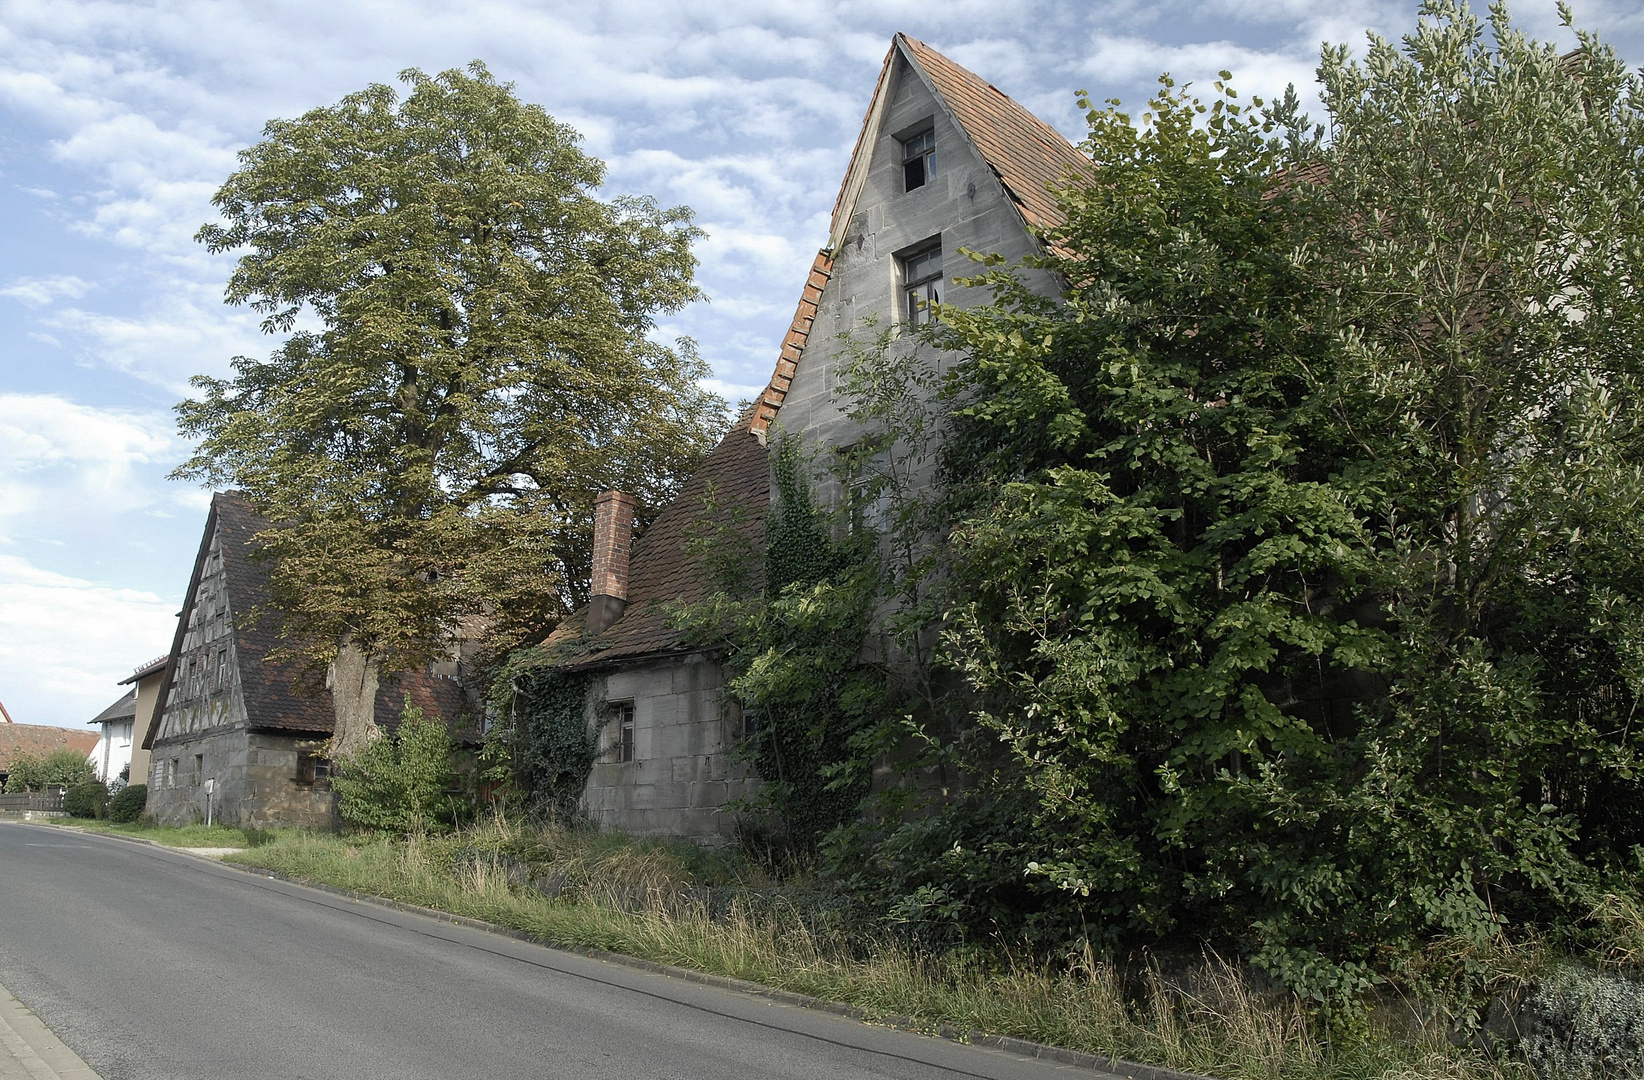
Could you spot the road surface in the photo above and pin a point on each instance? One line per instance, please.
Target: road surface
(152, 964)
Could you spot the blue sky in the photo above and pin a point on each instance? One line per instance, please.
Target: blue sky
(119, 120)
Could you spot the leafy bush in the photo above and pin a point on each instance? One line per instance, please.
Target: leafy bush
(60, 768)
(399, 782)
(86, 800)
(128, 805)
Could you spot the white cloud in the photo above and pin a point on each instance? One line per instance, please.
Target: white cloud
(40, 291)
(63, 458)
(66, 642)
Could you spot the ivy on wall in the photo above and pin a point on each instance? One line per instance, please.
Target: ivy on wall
(793, 654)
(542, 745)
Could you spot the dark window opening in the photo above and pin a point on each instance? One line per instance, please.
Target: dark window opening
(623, 714)
(919, 159)
(921, 285)
(199, 768)
(314, 770)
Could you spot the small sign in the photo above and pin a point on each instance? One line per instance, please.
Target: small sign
(210, 785)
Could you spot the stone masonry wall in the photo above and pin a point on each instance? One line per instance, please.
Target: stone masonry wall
(256, 781)
(964, 204)
(682, 774)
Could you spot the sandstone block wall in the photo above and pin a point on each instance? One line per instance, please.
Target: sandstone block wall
(683, 772)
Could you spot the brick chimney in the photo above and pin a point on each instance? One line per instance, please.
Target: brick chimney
(613, 533)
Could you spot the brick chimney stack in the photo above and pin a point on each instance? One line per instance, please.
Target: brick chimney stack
(613, 533)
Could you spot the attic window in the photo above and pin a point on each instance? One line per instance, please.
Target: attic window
(919, 159)
(921, 284)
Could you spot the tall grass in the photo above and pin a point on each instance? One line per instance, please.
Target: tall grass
(673, 905)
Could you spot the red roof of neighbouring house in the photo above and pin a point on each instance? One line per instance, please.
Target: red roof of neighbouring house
(36, 740)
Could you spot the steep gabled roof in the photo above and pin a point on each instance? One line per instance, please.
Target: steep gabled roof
(278, 695)
(661, 570)
(1027, 155)
(124, 709)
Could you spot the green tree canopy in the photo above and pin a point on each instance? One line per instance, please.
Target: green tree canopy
(468, 357)
(65, 767)
(1293, 561)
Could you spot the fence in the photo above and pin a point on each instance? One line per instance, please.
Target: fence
(32, 800)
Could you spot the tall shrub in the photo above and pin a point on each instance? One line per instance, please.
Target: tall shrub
(400, 783)
(1290, 563)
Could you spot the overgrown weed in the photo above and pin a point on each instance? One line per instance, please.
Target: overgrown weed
(668, 902)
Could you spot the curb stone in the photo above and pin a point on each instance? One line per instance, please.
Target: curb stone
(1128, 1070)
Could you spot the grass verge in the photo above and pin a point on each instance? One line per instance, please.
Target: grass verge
(185, 836)
(679, 906)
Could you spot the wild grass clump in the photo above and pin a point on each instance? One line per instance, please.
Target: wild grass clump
(708, 911)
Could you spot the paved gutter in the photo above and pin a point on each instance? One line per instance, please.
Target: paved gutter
(29, 1050)
(1111, 1066)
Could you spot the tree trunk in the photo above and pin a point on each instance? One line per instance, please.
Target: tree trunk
(353, 683)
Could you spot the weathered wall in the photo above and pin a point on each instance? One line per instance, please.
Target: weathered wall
(256, 780)
(205, 687)
(965, 205)
(682, 773)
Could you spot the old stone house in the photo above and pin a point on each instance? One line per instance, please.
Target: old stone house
(237, 726)
(944, 161)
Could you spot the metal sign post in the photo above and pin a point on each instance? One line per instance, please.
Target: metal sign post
(210, 785)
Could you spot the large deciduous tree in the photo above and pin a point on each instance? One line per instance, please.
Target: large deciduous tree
(468, 356)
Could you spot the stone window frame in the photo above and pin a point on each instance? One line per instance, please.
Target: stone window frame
(623, 744)
(314, 770)
(861, 471)
(919, 269)
(918, 155)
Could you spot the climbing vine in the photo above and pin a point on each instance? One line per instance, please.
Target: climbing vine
(541, 744)
(793, 654)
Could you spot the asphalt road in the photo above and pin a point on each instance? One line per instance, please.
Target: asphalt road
(152, 964)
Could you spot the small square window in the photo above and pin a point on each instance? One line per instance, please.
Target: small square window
(622, 714)
(312, 769)
(919, 159)
(921, 285)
